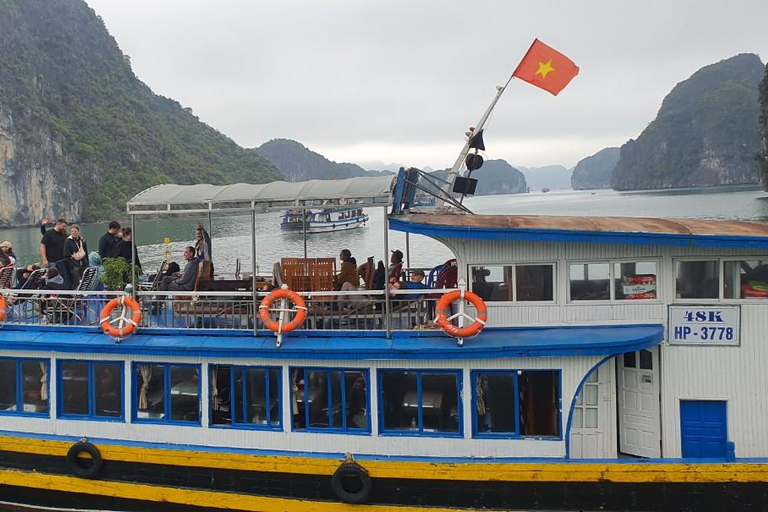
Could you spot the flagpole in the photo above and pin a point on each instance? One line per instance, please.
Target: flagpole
(454, 171)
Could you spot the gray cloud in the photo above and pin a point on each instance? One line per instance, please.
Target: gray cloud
(401, 80)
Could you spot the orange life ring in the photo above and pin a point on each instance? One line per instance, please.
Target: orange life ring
(281, 328)
(126, 325)
(442, 309)
(2, 308)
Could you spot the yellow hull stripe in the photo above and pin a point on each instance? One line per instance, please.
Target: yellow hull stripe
(211, 499)
(555, 471)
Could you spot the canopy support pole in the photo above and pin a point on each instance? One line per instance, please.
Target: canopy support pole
(407, 250)
(387, 306)
(304, 230)
(253, 270)
(134, 252)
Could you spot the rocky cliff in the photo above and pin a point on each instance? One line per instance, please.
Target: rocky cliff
(706, 132)
(80, 134)
(595, 171)
(762, 157)
(298, 163)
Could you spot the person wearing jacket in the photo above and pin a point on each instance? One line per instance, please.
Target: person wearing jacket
(347, 273)
(76, 254)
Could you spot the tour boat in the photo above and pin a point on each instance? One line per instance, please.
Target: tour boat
(592, 363)
(326, 220)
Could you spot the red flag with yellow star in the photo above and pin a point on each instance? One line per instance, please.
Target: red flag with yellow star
(547, 68)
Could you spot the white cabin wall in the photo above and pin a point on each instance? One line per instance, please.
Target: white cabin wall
(573, 369)
(735, 374)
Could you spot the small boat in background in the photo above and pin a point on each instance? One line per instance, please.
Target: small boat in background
(324, 220)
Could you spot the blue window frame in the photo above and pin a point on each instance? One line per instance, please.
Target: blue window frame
(90, 390)
(24, 386)
(334, 400)
(246, 397)
(516, 403)
(166, 393)
(420, 403)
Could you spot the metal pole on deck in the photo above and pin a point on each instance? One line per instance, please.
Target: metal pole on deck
(408, 251)
(304, 230)
(133, 255)
(387, 307)
(253, 269)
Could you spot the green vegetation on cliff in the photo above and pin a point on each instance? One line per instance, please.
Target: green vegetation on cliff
(762, 157)
(65, 83)
(706, 132)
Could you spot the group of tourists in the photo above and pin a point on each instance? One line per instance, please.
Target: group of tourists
(64, 255)
(392, 277)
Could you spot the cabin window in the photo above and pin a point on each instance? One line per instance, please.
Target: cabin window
(589, 281)
(586, 409)
(90, 390)
(632, 280)
(24, 386)
(697, 279)
(420, 402)
(518, 282)
(167, 393)
(516, 403)
(330, 400)
(246, 397)
(745, 279)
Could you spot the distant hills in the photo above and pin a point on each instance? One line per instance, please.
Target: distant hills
(762, 158)
(296, 162)
(80, 134)
(550, 176)
(706, 132)
(595, 171)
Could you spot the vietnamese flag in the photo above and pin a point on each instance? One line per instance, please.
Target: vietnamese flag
(547, 68)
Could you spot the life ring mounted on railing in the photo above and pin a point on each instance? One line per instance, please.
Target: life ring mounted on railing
(123, 325)
(442, 310)
(282, 325)
(2, 310)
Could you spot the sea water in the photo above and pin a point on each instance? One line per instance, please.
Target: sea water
(231, 238)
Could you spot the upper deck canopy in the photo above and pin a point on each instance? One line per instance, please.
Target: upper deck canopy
(607, 230)
(365, 191)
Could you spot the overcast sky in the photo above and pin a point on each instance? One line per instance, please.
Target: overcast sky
(401, 80)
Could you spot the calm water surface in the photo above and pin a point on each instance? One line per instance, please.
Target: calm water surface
(231, 239)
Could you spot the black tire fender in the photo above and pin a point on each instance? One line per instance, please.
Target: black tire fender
(352, 472)
(77, 467)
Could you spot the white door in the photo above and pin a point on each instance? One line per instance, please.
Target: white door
(594, 416)
(638, 401)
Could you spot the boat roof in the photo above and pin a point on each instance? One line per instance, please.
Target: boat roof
(614, 230)
(498, 342)
(171, 198)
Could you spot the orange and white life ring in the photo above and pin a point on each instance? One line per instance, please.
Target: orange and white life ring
(2, 308)
(300, 310)
(444, 321)
(123, 325)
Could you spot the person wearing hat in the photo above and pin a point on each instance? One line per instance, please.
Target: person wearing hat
(395, 267)
(7, 258)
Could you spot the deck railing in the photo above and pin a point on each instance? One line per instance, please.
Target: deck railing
(355, 310)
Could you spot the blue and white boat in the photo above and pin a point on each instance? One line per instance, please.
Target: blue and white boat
(325, 220)
(578, 391)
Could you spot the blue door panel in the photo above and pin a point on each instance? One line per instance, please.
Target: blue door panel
(704, 431)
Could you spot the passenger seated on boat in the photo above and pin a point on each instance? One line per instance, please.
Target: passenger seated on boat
(347, 278)
(53, 280)
(127, 249)
(183, 281)
(395, 266)
(7, 258)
